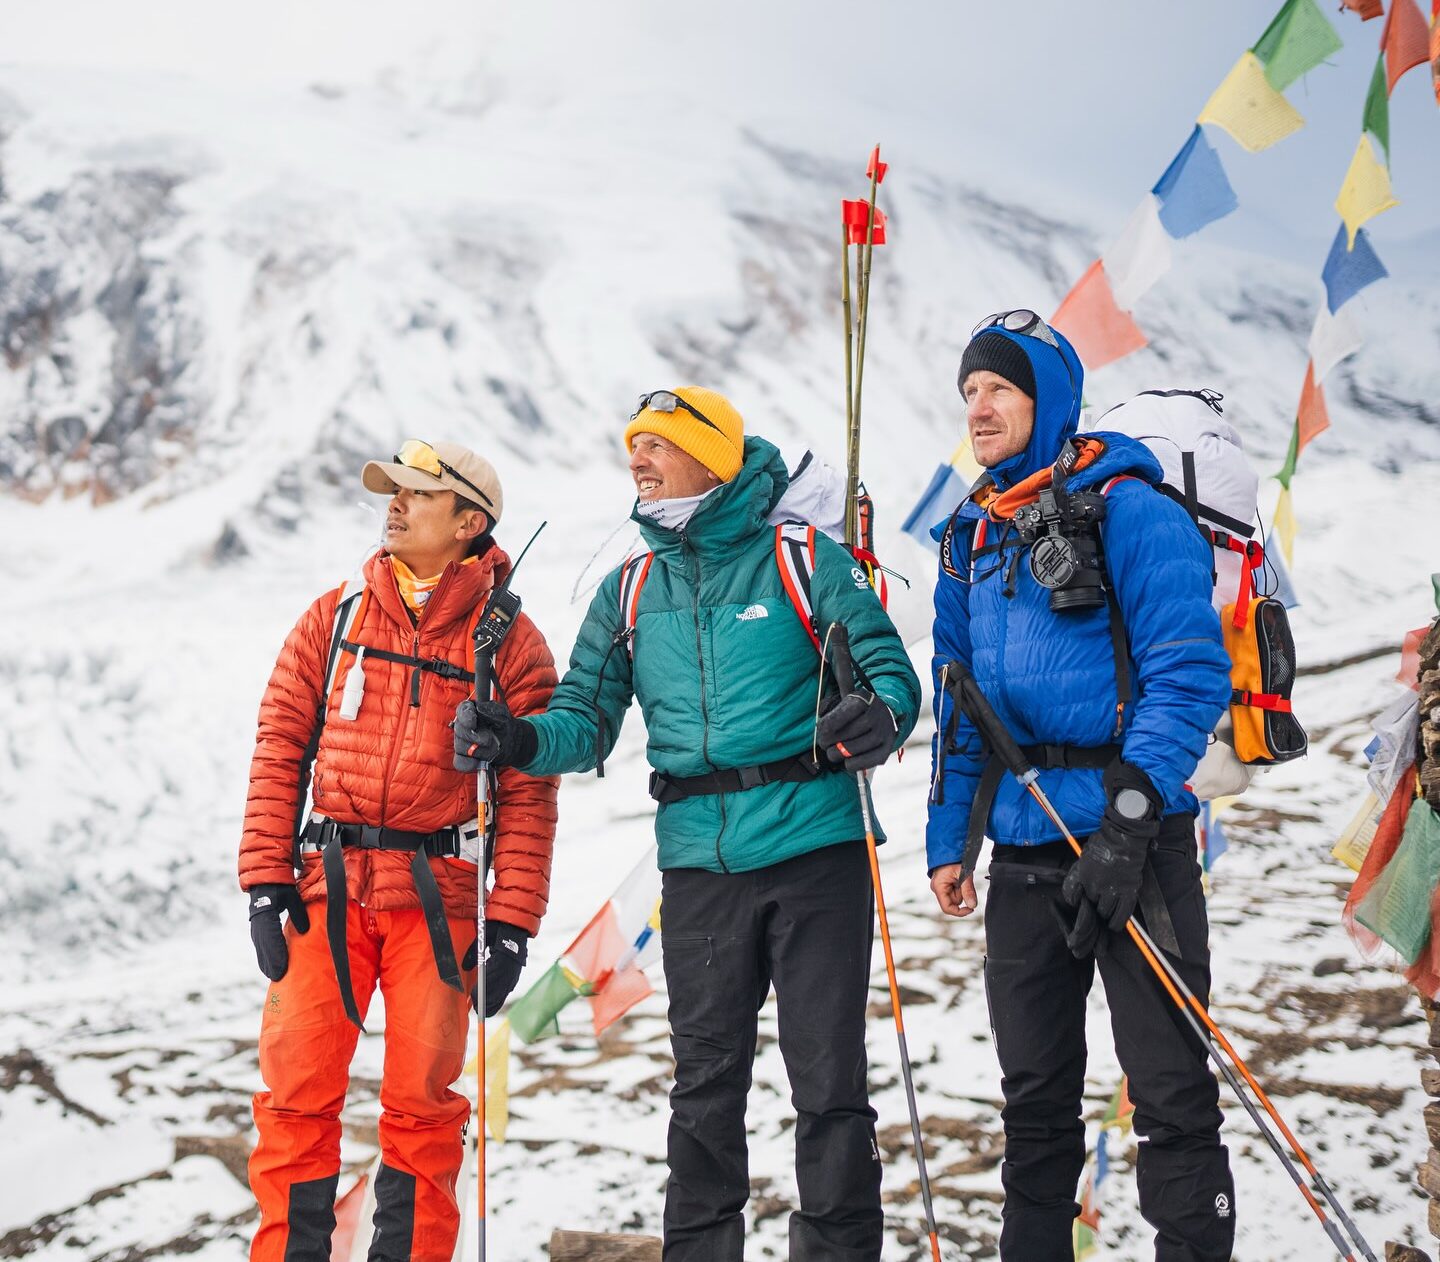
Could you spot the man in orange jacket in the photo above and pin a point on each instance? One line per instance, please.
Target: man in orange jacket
(395, 825)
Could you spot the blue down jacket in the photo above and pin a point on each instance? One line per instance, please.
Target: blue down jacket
(1051, 676)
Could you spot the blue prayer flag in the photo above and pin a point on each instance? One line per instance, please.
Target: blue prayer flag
(1348, 271)
(1194, 190)
(947, 488)
(1215, 843)
(1372, 749)
(1102, 1159)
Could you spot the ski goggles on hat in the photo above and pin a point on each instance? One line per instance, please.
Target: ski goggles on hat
(416, 454)
(668, 401)
(1022, 321)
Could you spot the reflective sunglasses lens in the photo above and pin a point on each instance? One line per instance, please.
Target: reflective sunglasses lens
(662, 401)
(419, 455)
(1021, 321)
(988, 322)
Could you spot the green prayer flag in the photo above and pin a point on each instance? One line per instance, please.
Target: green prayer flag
(534, 1013)
(1397, 908)
(1287, 471)
(1435, 583)
(1297, 40)
(1377, 107)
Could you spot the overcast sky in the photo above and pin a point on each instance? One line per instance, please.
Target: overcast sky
(1093, 97)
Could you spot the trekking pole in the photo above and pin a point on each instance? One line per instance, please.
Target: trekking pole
(493, 625)
(852, 455)
(967, 695)
(844, 666)
(849, 360)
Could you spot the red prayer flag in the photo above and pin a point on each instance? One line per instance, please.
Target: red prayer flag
(1311, 415)
(1409, 672)
(1405, 39)
(1367, 9)
(1382, 849)
(1099, 331)
(876, 169)
(856, 215)
(597, 948)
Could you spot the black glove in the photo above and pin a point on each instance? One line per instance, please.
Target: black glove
(505, 952)
(266, 932)
(858, 730)
(486, 732)
(1104, 883)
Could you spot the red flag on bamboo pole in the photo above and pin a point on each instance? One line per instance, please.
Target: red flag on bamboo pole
(857, 216)
(876, 169)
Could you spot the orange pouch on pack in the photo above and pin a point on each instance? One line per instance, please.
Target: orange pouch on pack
(1262, 675)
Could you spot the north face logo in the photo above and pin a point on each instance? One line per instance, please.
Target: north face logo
(752, 613)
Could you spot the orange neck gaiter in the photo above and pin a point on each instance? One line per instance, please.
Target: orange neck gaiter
(1002, 505)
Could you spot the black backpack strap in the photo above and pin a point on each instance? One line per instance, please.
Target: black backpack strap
(345, 611)
(1120, 651)
(337, 899)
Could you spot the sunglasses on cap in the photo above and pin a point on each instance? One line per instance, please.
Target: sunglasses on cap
(416, 454)
(668, 401)
(1022, 321)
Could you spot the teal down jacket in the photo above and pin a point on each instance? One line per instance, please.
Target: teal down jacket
(727, 677)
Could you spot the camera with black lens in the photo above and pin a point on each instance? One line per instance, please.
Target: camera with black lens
(1063, 531)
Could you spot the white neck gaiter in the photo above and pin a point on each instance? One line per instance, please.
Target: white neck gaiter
(674, 514)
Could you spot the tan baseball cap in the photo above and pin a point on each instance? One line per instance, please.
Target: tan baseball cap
(443, 466)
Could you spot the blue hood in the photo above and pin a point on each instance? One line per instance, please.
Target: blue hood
(1059, 387)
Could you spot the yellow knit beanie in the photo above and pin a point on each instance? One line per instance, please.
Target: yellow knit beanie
(719, 446)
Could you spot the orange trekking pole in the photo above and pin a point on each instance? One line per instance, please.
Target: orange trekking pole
(837, 640)
(966, 696)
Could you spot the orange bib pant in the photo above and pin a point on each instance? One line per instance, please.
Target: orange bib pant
(306, 1043)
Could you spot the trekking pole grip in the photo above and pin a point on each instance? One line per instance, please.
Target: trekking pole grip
(966, 694)
(841, 660)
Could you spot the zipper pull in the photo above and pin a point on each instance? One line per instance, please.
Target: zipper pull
(354, 691)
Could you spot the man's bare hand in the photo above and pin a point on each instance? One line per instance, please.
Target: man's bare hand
(956, 897)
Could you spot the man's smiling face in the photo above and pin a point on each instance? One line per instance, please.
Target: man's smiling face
(663, 472)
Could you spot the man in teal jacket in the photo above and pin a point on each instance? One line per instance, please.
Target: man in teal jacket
(766, 878)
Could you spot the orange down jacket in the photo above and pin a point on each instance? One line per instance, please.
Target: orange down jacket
(391, 765)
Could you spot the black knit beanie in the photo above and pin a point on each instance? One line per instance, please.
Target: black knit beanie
(994, 352)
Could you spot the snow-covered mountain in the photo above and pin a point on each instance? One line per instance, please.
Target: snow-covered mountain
(218, 297)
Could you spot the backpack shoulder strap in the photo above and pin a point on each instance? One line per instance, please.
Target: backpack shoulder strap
(795, 558)
(633, 573)
(348, 610)
(347, 614)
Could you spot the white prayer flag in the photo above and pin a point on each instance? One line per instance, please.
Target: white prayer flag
(1140, 255)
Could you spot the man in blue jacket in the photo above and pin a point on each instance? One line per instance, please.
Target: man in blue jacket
(766, 878)
(1111, 675)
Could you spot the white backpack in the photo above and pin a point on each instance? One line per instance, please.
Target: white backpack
(1206, 472)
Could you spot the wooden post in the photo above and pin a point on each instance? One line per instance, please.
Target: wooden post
(587, 1246)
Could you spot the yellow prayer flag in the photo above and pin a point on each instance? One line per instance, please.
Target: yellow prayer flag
(1366, 191)
(1354, 843)
(1251, 110)
(963, 461)
(1284, 525)
(1218, 806)
(497, 1081)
